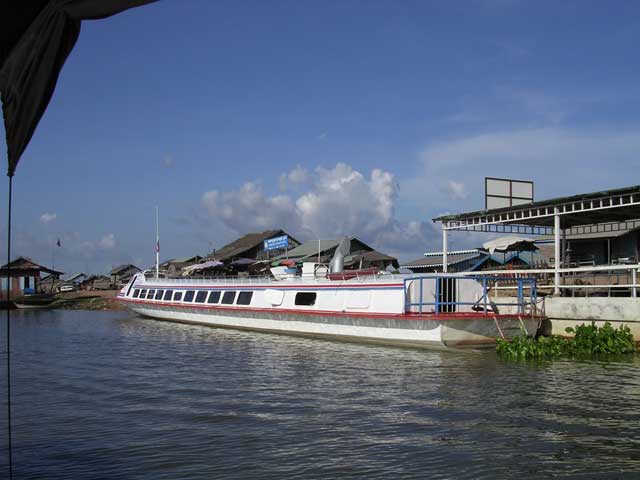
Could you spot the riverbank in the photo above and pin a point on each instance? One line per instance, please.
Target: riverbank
(88, 300)
(80, 300)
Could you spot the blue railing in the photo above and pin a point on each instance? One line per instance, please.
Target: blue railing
(446, 288)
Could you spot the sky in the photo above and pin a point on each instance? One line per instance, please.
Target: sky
(325, 118)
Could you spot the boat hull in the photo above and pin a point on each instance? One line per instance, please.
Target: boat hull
(37, 301)
(416, 331)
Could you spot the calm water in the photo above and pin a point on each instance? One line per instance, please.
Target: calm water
(109, 395)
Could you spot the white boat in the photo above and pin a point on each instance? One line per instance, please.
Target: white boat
(424, 311)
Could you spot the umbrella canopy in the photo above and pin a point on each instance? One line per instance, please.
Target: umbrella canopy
(36, 39)
(510, 244)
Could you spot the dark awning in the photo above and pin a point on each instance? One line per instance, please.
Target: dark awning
(36, 39)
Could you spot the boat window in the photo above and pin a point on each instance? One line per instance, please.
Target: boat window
(167, 295)
(244, 298)
(214, 297)
(201, 296)
(177, 296)
(188, 296)
(151, 294)
(228, 297)
(143, 294)
(136, 292)
(159, 294)
(306, 298)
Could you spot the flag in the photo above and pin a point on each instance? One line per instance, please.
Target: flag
(58, 243)
(158, 246)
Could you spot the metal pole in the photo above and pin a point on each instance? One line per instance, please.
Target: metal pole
(157, 246)
(9, 433)
(556, 238)
(634, 280)
(484, 293)
(563, 249)
(445, 247)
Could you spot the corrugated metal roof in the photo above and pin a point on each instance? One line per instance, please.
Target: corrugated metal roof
(590, 235)
(455, 252)
(247, 242)
(615, 213)
(25, 263)
(193, 258)
(436, 261)
(311, 248)
(121, 268)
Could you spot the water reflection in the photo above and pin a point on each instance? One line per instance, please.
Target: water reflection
(114, 396)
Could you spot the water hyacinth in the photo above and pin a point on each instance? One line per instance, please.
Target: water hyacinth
(587, 340)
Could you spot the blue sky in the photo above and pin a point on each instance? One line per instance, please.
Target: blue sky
(365, 118)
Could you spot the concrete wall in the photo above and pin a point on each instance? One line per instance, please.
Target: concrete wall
(567, 312)
(564, 312)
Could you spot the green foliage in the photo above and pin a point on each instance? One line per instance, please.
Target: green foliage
(588, 340)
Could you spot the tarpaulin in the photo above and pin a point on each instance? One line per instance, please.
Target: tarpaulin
(36, 39)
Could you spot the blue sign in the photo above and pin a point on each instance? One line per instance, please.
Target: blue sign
(276, 243)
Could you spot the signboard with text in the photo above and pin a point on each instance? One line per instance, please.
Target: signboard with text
(276, 243)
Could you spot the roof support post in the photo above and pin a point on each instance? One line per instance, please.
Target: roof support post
(634, 280)
(556, 241)
(445, 248)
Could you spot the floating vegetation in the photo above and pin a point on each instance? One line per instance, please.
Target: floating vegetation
(587, 340)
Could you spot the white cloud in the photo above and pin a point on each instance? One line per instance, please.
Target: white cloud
(249, 208)
(456, 190)
(107, 242)
(338, 201)
(561, 161)
(295, 178)
(48, 217)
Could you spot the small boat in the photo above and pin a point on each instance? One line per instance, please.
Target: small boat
(423, 311)
(35, 300)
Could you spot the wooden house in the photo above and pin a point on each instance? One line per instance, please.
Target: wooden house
(22, 276)
(251, 246)
(120, 275)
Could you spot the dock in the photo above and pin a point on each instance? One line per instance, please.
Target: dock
(600, 287)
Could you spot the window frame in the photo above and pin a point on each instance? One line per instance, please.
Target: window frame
(229, 294)
(191, 297)
(244, 293)
(305, 294)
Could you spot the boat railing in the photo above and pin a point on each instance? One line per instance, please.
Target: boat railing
(445, 297)
(599, 280)
(262, 279)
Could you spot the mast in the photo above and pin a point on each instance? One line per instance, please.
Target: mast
(157, 246)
